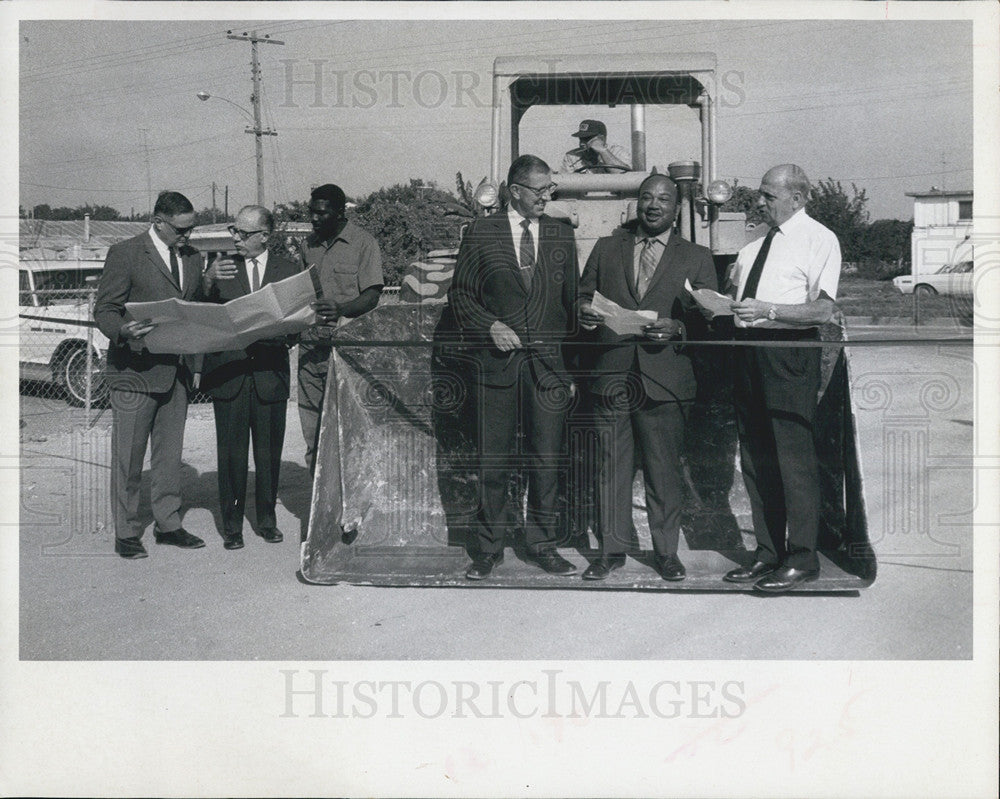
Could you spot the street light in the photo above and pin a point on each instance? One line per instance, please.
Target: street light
(256, 130)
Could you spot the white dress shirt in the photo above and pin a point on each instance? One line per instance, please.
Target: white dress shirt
(164, 252)
(517, 231)
(261, 266)
(804, 260)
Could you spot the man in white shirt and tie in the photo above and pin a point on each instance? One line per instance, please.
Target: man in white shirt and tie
(249, 387)
(784, 288)
(149, 392)
(513, 296)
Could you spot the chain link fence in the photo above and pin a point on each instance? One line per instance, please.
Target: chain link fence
(61, 351)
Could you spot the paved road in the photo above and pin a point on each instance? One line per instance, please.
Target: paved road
(79, 601)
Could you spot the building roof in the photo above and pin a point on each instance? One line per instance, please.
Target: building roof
(939, 193)
(48, 234)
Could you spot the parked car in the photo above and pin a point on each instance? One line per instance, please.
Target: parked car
(54, 322)
(953, 279)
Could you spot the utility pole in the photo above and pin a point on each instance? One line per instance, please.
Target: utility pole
(257, 131)
(149, 183)
(226, 212)
(213, 202)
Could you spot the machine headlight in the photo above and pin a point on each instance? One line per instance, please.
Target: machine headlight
(718, 192)
(487, 194)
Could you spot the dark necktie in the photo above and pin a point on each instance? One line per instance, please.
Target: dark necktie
(254, 276)
(174, 268)
(750, 289)
(647, 265)
(527, 253)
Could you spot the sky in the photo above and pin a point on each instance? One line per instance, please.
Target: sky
(107, 106)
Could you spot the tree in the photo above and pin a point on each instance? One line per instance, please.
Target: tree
(744, 200)
(409, 220)
(846, 216)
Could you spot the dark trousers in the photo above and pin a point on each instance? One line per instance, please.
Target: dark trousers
(313, 365)
(237, 420)
(775, 396)
(138, 419)
(538, 453)
(657, 429)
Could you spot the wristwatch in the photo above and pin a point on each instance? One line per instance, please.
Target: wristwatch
(772, 314)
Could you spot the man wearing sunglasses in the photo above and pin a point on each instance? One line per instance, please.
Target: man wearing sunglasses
(513, 296)
(249, 387)
(149, 393)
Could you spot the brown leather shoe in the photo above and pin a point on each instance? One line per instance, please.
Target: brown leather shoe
(750, 574)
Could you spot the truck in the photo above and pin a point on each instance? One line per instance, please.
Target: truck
(395, 485)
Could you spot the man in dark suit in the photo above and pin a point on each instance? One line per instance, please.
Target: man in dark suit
(642, 385)
(249, 387)
(513, 295)
(149, 393)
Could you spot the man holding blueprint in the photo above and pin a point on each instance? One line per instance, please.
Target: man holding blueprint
(632, 293)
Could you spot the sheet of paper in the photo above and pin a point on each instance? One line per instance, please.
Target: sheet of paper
(620, 320)
(189, 328)
(717, 304)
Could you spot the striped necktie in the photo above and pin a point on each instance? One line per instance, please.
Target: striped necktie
(647, 266)
(527, 253)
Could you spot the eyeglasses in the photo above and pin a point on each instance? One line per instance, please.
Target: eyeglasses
(180, 231)
(243, 234)
(538, 191)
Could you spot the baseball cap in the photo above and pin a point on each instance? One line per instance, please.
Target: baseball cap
(589, 128)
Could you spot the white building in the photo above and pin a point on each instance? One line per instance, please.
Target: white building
(942, 226)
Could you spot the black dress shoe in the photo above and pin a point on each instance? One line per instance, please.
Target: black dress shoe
(671, 568)
(271, 534)
(234, 541)
(130, 548)
(750, 574)
(554, 563)
(482, 566)
(602, 567)
(179, 538)
(785, 578)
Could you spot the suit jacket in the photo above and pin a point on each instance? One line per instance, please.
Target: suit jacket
(135, 272)
(666, 373)
(224, 373)
(488, 286)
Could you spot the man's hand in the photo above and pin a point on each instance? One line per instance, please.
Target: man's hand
(750, 309)
(327, 312)
(598, 145)
(663, 329)
(135, 330)
(504, 338)
(589, 318)
(196, 380)
(221, 269)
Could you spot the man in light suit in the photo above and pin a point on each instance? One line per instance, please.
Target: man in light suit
(149, 393)
(642, 385)
(514, 295)
(249, 387)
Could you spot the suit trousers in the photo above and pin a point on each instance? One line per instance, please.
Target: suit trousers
(158, 419)
(657, 430)
(313, 365)
(775, 397)
(236, 421)
(539, 453)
